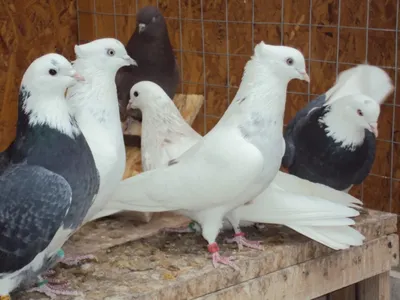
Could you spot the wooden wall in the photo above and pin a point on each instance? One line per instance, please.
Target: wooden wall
(28, 30)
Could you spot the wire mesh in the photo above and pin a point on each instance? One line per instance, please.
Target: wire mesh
(211, 56)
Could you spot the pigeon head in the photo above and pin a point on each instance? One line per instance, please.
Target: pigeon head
(106, 54)
(150, 22)
(50, 73)
(364, 112)
(147, 94)
(42, 94)
(287, 61)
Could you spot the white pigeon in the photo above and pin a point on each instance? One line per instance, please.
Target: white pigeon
(234, 162)
(95, 106)
(50, 179)
(317, 211)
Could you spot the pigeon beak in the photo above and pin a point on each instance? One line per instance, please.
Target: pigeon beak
(142, 27)
(129, 106)
(305, 76)
(374, 129)
(130, 60)
(78, 77)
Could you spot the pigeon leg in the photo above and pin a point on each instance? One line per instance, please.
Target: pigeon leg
(74, 260)
(212, 221)
(239, 236)
(46, 277)
(192, 227)
(52, 291)
(78, 260)
(217, 258)
(239, 239)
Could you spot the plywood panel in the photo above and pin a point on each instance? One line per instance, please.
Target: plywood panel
(29, 29)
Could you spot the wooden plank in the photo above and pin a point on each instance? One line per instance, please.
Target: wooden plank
(346, 293)
(317, 277)
(375, 288)
(177, 266)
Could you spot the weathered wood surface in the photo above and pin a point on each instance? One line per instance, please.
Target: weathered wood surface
(177, 266)
(29, 29)
(189, 106)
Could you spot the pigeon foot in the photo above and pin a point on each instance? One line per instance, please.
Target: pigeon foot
(219, 259)
(52, 291)
(78, 260)
(192, 227)
(241, 241)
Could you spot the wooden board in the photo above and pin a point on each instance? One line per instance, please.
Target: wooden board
(29, 29)
(189, 106)
(177, 266)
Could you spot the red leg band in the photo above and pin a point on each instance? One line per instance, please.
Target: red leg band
(212, 248)
(239, 234)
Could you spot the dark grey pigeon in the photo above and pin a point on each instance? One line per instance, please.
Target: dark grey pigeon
(332, 140)
(49, 181)
(151, 48)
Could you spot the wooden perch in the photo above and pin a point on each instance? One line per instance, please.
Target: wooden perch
(177, 266)
(189, 106)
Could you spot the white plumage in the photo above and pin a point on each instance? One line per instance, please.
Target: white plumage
(95, 106)
(226, 168)
(314, 210)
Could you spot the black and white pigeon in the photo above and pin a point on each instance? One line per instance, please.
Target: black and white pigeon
(50, 180)
(332, 140)
(151, 48)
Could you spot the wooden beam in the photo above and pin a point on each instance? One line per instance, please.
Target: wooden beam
(320, 276)
(374, 288)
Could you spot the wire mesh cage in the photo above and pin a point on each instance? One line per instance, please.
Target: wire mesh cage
(213, 39)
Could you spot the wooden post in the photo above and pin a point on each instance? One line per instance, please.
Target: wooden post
(375, 288)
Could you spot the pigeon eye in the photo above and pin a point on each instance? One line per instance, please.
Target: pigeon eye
(52, 72)
(359, 112)
(290, 61)
(135, 94)
(110, 52)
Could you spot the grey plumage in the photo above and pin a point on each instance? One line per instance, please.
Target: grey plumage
(48, 178)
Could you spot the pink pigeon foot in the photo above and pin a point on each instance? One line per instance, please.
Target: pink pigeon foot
(217, 258)
(47, 276)
(192, 227)
(239, 239)
(52, 291)
(77, 260)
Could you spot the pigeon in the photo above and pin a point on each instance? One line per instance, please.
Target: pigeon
(151, 48)
(332, 140)
(230, 165)
(94, 104)
(317, 211)
(50, 179)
